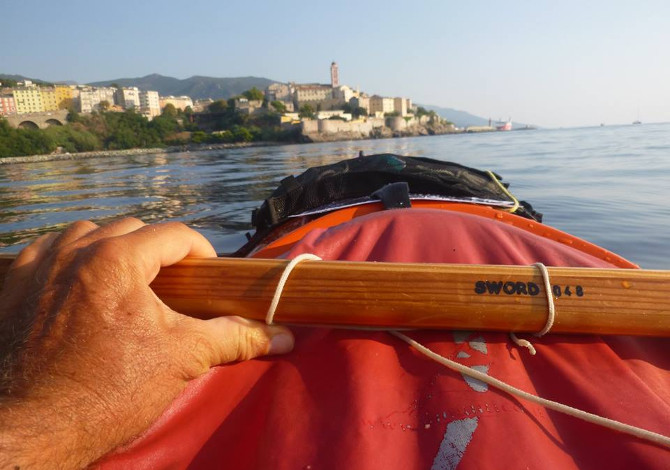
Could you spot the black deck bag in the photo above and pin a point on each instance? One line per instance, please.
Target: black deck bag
(360, 177)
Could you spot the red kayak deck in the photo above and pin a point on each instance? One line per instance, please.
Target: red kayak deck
(361, 399)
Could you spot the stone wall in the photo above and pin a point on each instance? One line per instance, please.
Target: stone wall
(330, 130)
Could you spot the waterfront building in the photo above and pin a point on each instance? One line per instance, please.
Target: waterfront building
(319, 97)
(49, 99)
(179, 102)
(128, 97)
(343, 94)
(362, 101)
(334, 75)
(27, 98)
(400, 106)
(311, 93)
(89, 99)
(278, 92)
(107, 94)
(63, 96)
(381, 105)
(246, 106)
(149, 104)
(7, 105)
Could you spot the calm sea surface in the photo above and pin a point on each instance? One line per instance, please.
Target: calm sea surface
(609, 185)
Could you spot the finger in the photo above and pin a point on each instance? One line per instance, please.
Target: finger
(74, 232)
(23, 269)
(35, 252)
(114, 229)
(155, 246)
(227, 339)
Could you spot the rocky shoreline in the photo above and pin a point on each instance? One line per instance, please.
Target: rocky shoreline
(130, 152)
(378, 133)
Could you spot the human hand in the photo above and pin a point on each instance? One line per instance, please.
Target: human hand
(89, 356)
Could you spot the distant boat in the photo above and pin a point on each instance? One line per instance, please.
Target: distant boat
(637, 121)
(504, 126)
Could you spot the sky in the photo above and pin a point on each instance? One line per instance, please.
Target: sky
(547, 63)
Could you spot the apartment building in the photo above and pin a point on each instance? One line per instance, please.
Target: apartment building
(379, 104)
(128, 97)
(7, 105)
(149, 104)
(28, 99)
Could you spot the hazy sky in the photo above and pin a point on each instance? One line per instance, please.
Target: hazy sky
(549, 63)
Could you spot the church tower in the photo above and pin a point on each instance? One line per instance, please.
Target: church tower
(334, 75)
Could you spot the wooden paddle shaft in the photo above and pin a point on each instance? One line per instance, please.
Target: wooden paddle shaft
(437, 296)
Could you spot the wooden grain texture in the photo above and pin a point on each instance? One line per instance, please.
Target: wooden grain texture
(436, 296)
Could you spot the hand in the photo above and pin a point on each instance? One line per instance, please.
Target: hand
(89, 356)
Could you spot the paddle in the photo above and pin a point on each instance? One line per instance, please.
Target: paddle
(438, 296)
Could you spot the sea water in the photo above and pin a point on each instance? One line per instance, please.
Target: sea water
(608, 185)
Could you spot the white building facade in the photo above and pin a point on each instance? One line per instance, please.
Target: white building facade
(149, 104)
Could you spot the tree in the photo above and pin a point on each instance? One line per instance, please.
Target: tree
(254, 94)
(73, 115)
(421, 111)
(169, 111)
(242, 134)
(219, 106)
(279, 106)
(360, 111)
(103, 105)
(306, 111)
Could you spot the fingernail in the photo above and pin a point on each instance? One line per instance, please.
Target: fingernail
(281, 343)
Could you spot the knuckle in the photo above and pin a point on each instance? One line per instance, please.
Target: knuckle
(253, 342)
(133, 220)
(107, 249)
(81, 225)
(174, 226)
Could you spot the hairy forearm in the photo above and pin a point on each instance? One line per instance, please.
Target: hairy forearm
(36, 435)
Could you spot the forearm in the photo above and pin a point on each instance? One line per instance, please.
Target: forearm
(36, 435)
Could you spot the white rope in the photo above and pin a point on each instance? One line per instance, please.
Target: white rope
(551, 313)
(475, 374)
(269, 317)
(552, 405)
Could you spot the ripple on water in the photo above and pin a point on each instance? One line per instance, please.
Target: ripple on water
(606, 185)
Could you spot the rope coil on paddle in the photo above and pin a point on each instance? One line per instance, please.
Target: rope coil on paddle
(551, 312)
(269, 317)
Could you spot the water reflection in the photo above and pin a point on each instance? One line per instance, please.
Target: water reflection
(605, 185)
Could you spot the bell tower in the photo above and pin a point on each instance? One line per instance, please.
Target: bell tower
(334, 75)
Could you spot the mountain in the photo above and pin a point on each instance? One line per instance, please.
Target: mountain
(18, 78)
(465, 119)
(196, 87)
(459, 118)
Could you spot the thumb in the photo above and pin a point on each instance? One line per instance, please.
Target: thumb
(227, 339)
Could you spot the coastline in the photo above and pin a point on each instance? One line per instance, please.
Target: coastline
(129, 152)
(197, 147)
